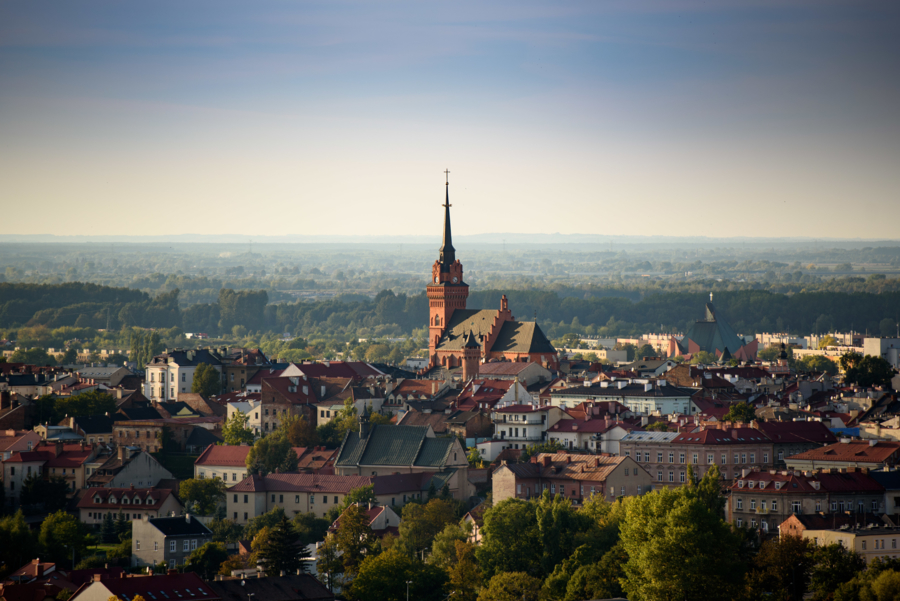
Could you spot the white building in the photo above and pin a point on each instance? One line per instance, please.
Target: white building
(886, 348)
(172, 373)
(651, 398)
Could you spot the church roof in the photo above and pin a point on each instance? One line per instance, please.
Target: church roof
(464, 321)
(712, 334)
(522, 337)
(394, 445)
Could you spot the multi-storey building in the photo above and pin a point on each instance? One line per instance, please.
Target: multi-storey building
(170, 540)
(765, 499)
(667, 455)
(652, 398)
(525, 425)
(293, 492)
(171, 373)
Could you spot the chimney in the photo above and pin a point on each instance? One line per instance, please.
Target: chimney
(323, 391)
(546, 461)
(122, 452)
(96, 577)
(57, 448)
(187, 518)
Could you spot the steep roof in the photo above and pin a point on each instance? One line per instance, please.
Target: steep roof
(283, 588)
(503, 368)
(522, 337)
(394, 445)
(224, 455)
(797, 432)
(401, 482)
(712, 334)
(594, 468)
(786, 482)
(437, 421)
(715, 436)
(148, 497)
(160, 587)
(463, 321)
(95, 424)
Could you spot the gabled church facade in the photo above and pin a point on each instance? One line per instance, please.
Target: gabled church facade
(461, 337)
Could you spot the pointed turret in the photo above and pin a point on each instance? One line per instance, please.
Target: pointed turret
(448, 253)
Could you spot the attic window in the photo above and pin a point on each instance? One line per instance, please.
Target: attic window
(125, 501)
(751, 483)
(97, 500)
(740, 484)
(137, 500)
(149, 501)
(762, 484)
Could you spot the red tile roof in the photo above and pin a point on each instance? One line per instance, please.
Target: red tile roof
(145, 495)
(795, 481)
(170, 586)
(794, 432)
(724, 437)
(296, 482)
(591, 426)
(225, 455)
(503, 368)
(861, 451)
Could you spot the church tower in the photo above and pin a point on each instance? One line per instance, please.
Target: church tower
(446, 292)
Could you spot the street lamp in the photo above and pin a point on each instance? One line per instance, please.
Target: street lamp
(408, 582)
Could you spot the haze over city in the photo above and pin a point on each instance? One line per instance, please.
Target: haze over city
(338, 118)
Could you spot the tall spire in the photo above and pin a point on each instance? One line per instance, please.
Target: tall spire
(448, 253)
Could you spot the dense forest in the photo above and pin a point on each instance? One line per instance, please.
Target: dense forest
(33, 309)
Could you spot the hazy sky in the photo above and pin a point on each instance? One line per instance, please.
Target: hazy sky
(750, 118)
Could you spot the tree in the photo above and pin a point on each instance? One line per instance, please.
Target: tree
(510, 539)
(866, 371)
(360, 494)
(832, 565)
(645, 351)
(354, 538)
(535, 449)
(474, 457)
(781, 568)
(817, 363)
(419, 523)
(279, 553)
(384, 577)
(827, 341)
(659, 426)
(108, 529)
(270, 519)
(225, 531)
(204, 493)
(558, 524)
(679, 548)
(235, 430)
(234, 562)
(35, 356)
(703, 358)
(207, 560)
(308, 528)
(270, 453)
(60, 534)
(329, 562)
(511, 586)
(465, 576)
(299, 432)
(443, 549)
(207, 381)
(43, 496)
(19, 543)
(166, 441)
(740, 412)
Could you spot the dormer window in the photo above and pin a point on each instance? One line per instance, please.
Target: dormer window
(112, 499)
(149, 501)
(740, 484)
(125, 501)
(751, 483)
(137, 500)
(97, 500)
(762, 484)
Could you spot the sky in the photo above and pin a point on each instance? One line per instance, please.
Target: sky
(658, 117)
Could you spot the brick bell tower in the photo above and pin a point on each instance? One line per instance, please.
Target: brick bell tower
(447, 291)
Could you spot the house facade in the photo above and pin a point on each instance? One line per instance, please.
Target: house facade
(133, 503)
(172, 373)
(651, 398)
(293, 492)
(169, 539)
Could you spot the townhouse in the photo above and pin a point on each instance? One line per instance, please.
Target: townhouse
(293, 492)
(871, 454)
(521, 426)
(172, 373)
(765, 499)
(591, 434)
(576, 477)
(649, 398)
(133, 503)
(125, 466)
(167, 539)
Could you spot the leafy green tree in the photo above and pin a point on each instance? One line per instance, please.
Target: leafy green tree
(39, 495)
(280, 553)
(558, 524)
(354, 538)
(659, 426)
(308, 528)
(207, 381)
(645, 351)
(703, 358)
(298, 431)
(832, 565)
(270, 453)
(866, 371)
(166, 441)
(535, 449)
(384, 577)
(60, 534)
(235, 431)
(679, 548)
(817, 363)
(361, 494)
(108, 529)
(511, 586)
(19, 543)
(781, 568)
(270, 519)
(827, 341)
(329, 564)
(205, 494)
(601, 580)
(420, 523)
(207, 560)
(225, 531)
(474, 457)
(510, 539)
(34, 356)
(443, 549)
(740, 412)
(464, 573)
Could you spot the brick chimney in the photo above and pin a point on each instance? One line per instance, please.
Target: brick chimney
(547, 461)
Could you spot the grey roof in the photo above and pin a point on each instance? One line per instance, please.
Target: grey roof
(712, 334)
(99, 372)
(138, 413)
(889, 480)
(522, 337)
(95, 424)
(394, 445)
(272, 588)
(201, 437)
(651, 436)
(180, 526)
(463, 321)
(636, 390)
(187, 358)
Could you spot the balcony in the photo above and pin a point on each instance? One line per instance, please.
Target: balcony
(763, 510)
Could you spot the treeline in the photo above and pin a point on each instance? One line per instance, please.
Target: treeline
(598, 311)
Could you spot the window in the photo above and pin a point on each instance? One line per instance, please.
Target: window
(335, 500)
(752, 457)
(680, 457)
(245, 498)
(774, 505)
(186, 546)
(194, 544)
(752, 504)
(182, 377)
(659, 476)
(753, 523)
(834, 506)
(724, 458)
(639, 490)
(312, 499)
(743, 457)
(740, 522)
(235, 516)
(626, 471)
(628, 453)
(234, 476)
(137, 545)
(623, 491)
(762, 505)
(273, 498)
(864, 545)
(297, 499)
(156, 543)
(682, 476)
(671, 457)
(710, 459)
(736, 459)
(694, 459)
(671, 476)
(171, 546)
(874, 506)
(518, 489)
(740, 503)
(818, 506)
(795, 506)
(12, 471)
(245, 516)
(553, 489)
(659, 458)
(765, 458)
(281, 498)
(780, 455)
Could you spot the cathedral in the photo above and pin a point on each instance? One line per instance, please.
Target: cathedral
(461, 337)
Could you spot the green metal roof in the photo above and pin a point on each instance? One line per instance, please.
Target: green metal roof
(385, 445)
(434, 452)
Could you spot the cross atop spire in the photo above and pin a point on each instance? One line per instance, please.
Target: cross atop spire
(448, 253)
